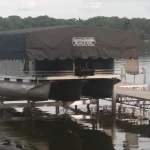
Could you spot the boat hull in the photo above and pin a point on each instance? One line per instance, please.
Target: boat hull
(99, 88)
(25, 91)
(66, 90)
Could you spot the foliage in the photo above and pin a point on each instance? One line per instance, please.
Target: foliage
(16, 22)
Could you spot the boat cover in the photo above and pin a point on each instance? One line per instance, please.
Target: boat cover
(68, 42)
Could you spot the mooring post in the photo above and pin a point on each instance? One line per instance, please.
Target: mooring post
(97, 113)
(144, 109)
(57, 108)
(122, 75)
(76, 109)
(140, 114)
(144, 72)
(93, 122)
(32, 113)
(121, 107)
(1, 109)
(65, 104)
(134, 78)
(114, 101)
(114, 113)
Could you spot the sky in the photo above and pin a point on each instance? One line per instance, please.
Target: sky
(76, 8)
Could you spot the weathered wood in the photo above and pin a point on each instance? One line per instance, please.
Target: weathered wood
(50, 118)
(43, 104)
(62, 77)
(15, 105)
(114, 101)
(131, 85)
(100, 76)
(57, 109)
(128, 92)
(114, 114)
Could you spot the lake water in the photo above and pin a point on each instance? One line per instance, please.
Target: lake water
(19, 137)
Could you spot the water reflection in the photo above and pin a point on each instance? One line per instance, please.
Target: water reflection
(131, 141)
(50, 135)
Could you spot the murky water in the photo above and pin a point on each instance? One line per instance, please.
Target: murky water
(50, 136)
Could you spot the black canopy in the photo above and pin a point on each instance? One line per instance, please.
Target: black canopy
(68, 42)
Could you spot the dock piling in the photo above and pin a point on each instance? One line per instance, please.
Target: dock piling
(32, 113)
(114, 113)
(76, 109)
(1, 109)
(57, 109)
(114, 101)
(97, 113)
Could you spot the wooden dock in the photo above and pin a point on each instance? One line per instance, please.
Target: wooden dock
(136, 92)
(133, 94)
(133, 90)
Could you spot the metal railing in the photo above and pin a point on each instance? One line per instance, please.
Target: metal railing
(121, 71)
(67, 72)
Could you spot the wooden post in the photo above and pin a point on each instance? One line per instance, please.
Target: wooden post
(114, 114)
(114, 101)
(65, 107)
(134, 78)
(1, 110)
(140, 114)
(121, 108)
(144, 110)
(122, 75)
(57, 109)
(32, 113)
(76, 108)
(74, 67)
(144, 72)
(93, 123)
(97, 113)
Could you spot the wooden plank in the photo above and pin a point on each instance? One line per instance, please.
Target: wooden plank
(64, 77)
(29, 118)
(129, 84)
(81, 102)
(44, 104)
(100, 76)
(15, 105)
(50, 118)
(133, 93)
(80, 117)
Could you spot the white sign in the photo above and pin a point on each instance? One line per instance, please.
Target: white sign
(83, 41)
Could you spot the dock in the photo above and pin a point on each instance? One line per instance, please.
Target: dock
(138, 91)
(124, 93)
(132, 94)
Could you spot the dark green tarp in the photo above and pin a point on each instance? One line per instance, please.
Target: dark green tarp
(57, 42)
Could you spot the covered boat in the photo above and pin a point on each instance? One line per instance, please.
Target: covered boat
(79, 60)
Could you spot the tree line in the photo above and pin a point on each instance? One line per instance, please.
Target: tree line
(16, 22)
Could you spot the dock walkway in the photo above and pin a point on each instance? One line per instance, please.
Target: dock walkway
(133, 90)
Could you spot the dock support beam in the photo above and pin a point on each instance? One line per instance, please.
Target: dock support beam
(93, 123)
(144, 72)
(1, 109)
(114, 113)
(32, 113)
(76, 109)
(114, 101)
(57, 109)
(65, 105)
(97, 113)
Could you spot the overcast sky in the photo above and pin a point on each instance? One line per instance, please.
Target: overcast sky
(76, 8)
